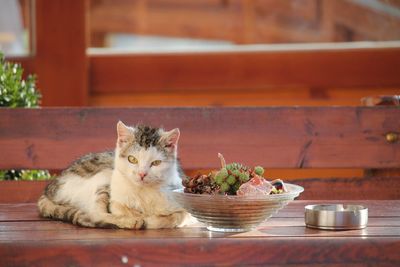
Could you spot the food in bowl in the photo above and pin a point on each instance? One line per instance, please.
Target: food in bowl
(233, 179)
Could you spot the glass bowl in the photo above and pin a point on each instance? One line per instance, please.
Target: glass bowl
(234, 213)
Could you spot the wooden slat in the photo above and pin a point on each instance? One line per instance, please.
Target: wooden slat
(250, 70)
(280, 137)
(85, 234)
(19, 212)
(21, 191)
(349, 188)
(265, 97)
(373, 188)
(296, 251)
(295, 209)
(50, 225)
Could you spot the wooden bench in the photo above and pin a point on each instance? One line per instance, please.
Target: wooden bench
(274, 137)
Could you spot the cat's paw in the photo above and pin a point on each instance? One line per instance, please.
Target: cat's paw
(131, 222)
(170, 220)
(178, 218)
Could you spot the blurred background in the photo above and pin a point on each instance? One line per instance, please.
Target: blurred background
(205, 52)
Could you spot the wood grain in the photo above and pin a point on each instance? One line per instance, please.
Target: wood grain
(260, 97)
(349, 188)
(376, 208)
(372, 188)
(41, 234)
(183, 252)
(244, 70)
(33, 224)
(21, 191)
(278, 137)
(61, 62)
(26, 240)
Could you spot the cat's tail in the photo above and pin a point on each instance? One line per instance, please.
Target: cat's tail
(67, 213)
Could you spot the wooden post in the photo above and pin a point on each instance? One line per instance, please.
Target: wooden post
(60, 59)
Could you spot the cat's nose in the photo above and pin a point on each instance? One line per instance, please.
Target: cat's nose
(142, 175)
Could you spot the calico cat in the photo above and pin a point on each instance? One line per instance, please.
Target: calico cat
(128, 188)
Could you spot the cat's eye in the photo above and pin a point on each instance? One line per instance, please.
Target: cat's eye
(156, 163)
(132, 159)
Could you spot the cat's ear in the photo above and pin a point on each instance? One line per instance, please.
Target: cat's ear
(125, 133)
(170, 139)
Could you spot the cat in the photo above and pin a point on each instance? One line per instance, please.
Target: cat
(128, 188)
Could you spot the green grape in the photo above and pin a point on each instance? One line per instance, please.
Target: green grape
(224, 187)
(231, 180)
(259, 170)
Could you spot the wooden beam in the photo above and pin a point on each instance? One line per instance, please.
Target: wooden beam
(276, 137)
(109, 249)
(60, 60)
(220, 98)
(244, 70)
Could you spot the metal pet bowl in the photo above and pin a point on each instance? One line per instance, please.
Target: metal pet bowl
(234, 213)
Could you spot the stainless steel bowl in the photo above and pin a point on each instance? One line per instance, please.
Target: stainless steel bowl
(234, 213)
(336, 216)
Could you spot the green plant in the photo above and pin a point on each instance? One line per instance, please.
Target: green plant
(26, 175)
(17, 92)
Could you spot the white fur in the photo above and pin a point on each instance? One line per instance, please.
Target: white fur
(81, 192)
(147, 196)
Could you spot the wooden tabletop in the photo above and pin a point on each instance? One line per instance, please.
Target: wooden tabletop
(27, 240)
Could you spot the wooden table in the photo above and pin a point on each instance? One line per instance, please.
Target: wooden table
(27, 240)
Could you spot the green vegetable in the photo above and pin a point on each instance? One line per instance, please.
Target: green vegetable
(236, 173)
(259, 170)
(24, 175)
(222, 174)
(224, 187)
(231, 180)
(244, 177)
